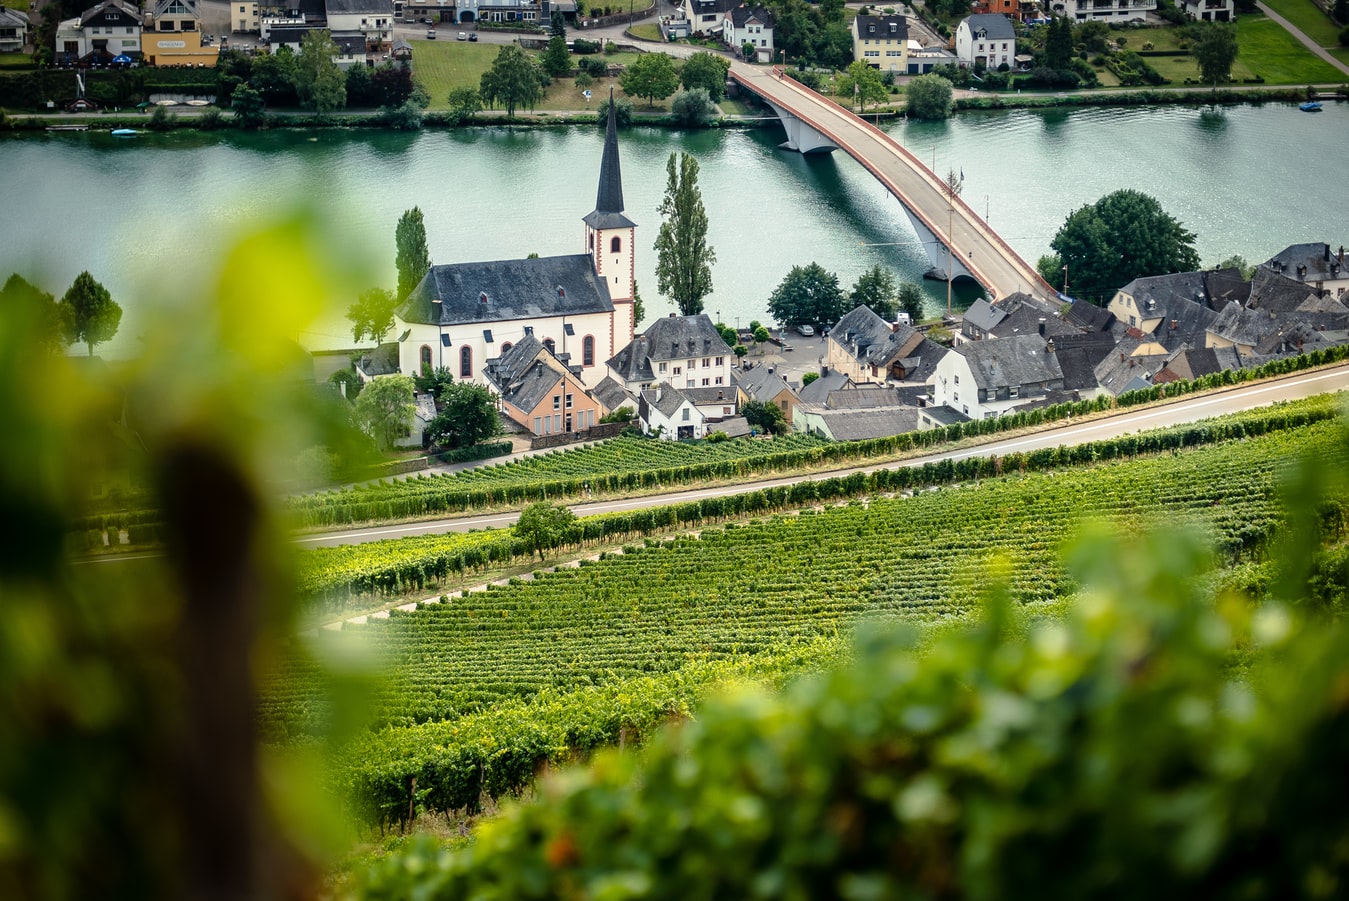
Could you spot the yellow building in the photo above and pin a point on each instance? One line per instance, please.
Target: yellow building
(882, 42)
(172, 36)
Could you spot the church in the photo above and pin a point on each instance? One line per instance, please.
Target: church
(579, 306)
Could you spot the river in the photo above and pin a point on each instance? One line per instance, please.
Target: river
(154, 209)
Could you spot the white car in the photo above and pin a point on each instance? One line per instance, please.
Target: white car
(463, 36)
(806, 331)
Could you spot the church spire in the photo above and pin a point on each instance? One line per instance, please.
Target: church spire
(609, 199)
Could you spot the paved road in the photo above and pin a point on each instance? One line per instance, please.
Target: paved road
(1181, 411)
(988, 258)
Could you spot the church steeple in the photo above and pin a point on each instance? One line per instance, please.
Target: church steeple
(608, 211)
(610, 236)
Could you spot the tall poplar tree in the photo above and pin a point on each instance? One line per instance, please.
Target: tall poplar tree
(413, 259)
(683, 257)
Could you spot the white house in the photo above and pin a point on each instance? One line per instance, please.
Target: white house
(109, 29)
(1210, 10)
(579, 305)
(498, 11)
(987, 41)
(750, 25)
(685, 351)
(13, 30)
(371, 19)
(985, 379)
(1104, 10)
(1316, 264)
(668, 413)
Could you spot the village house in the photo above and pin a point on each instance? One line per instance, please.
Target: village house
(764, 385)
(100, 34)
(750, 25)
(857, 413)
(1015, 314)
(984, 379)
(1108, 11)
(882, 42)
(866, 348)
(986, 42)
(1210, 10)
(172, 36)
(666, 412)
(684, 351)
(462, 314)
(13, 30)
(1315, 264)
(541, 390)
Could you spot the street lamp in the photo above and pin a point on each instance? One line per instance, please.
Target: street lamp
(1065, 281)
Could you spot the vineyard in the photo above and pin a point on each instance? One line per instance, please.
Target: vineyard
(461, 711)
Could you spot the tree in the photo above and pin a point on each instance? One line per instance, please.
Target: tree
(385, 409)
(809, 377)
(393, 85)
(558, 25)
(876, 288)
(727, 334)
(911, 301)
(638, 308)
(249, 108)
(651, 75)
(51, 320)
(1238, 262)
(683, 257)
(372, 314)
(929, 97)
(276, 76)
(434, 382)
(1059, 43)
(622, 112)
(863, 84)
(464, 102)
(708, 71)
(1123, 236)
(765, 416)
(761, 335)
(513, 80)
(557, 59)
(808, 295)
(91, 315)
(319, 83)
(1215, 51)
(360, 88)
(412, 259)
(692, 108)
(543, 526)
(468, 415)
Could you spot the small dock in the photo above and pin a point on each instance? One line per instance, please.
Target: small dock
(67, 128)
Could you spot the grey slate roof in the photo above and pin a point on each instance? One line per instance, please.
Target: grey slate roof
(608, 212)
(383, 360)
(1089, 317)
(520, 376)
(1122, 366)
(763, 383)
(874, 342)
(611, 394)
(664, 397)
(711, 396)
(732, 426)
(12, 18)
(994, 26)
(1321, 262)
(1020, 360)
(983, 316)
(852, 426)
(1078, 365)
(373, 7)
(109, 10)
(741, 15)
(863, 397)
(819, 390)
(876, 28)
(665, 340)
(349, 43)
(514, 289)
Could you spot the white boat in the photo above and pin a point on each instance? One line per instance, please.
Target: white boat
(198, 103)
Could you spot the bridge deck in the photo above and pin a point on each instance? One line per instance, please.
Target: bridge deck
(992, 262)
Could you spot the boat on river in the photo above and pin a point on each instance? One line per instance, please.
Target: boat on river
(1311, 106)
(124, 132)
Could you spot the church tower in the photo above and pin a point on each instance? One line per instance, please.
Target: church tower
(610, 236)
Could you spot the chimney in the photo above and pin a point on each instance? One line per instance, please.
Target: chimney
(1175, 324)
(1327, 257)
(1042, 326)
(1049, 346)
(660, 390)
(824, 370)
(721, 395)
(672, 315)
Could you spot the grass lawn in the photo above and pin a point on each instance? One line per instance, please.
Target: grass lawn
(20, 5)
(15, 61)
(1278, 57)
(646, 31)
(1307, 16)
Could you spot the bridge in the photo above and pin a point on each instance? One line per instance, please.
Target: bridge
(958, 242)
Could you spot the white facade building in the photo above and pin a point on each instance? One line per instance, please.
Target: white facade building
(986, 40)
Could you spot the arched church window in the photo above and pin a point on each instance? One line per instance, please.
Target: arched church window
(588, 351)
(616, 244)
(426, 358)
(466, 362)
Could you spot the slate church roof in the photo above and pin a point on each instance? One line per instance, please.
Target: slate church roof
(505, 290)
(608, 212)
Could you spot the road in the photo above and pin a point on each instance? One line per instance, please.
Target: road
(1181, 411)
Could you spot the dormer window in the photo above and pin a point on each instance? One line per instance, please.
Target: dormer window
(561, 291)
(482, 297)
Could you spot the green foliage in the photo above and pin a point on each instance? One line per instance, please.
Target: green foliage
(319, 83)
(372, 315)
(360, 89)
(1124, 235)
(1058, 43)
(406, 117)
(761, 334)
(766, 417)
(692, 108)
(161, 119)
(385, 409)
(707, 71)
(740, 350)
(809, 377)
(622, 112)
(622, 414)
(683, 257)
(544, 526)
(249, 107)
(468, 415)
(1215, 50)
(412, 259)
(862, 84)
(1238, 262)
(514, 80)
(89, 313)
(727, 334)
(876, 288)
(929, 97)
(651, 75)
(45, 319)
(910, 300)
(807, 295)
(556, 60)
(435, 382)
(463, 103)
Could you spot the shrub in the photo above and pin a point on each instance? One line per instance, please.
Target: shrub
(693, 108)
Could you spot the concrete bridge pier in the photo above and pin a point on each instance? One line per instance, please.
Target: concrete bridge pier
(800, 135)
(936, 248)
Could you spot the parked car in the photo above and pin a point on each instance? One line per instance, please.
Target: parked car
(431, 34)
(806, 331)
(472, 37)
(462, 37)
